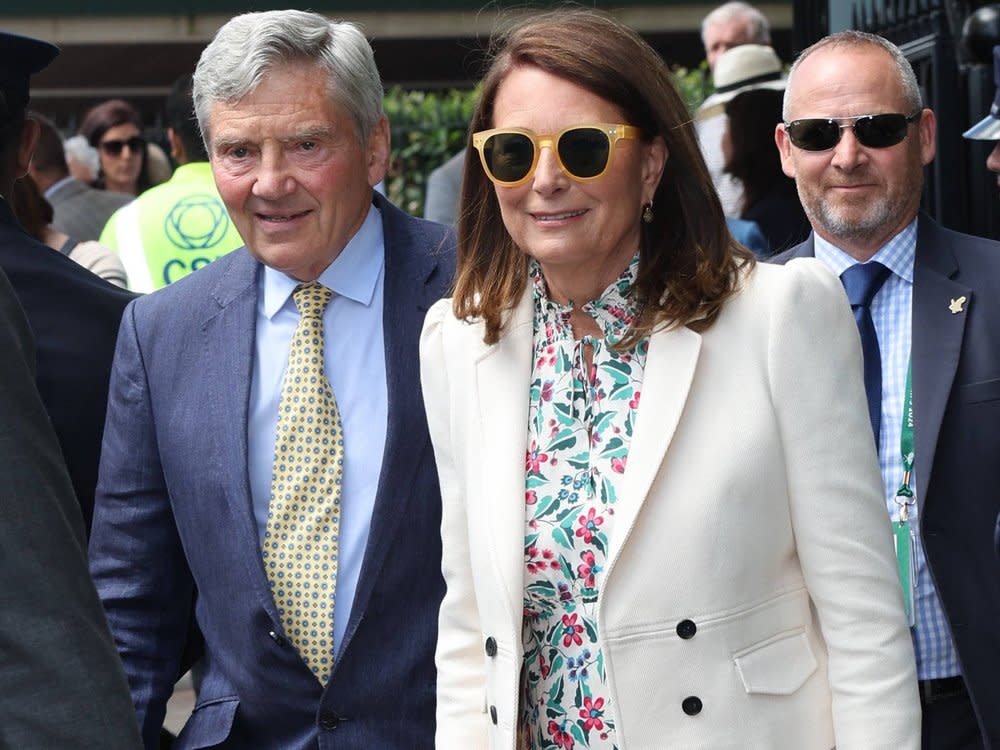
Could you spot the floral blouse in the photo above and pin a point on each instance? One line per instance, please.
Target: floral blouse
(580, 426)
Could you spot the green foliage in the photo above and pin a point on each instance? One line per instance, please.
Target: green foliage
(429, 126)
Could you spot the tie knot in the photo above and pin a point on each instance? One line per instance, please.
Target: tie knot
(862, 280)
(312, 299)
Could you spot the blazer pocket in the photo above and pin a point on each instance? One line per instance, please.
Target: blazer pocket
(778, 666)
(210, 723)
(985, 390)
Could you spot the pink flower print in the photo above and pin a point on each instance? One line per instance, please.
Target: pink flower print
(588, 525)
(530, 498)
(562, 738)
(550, 557)
(588, 569)
(618, 464)
(547, 389)
(571, 630)
(535, 458)
(592, 713)
(543, 666)
(634, 401)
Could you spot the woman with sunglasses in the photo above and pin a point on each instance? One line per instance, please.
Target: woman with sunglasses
(662, 514)
(114, 128)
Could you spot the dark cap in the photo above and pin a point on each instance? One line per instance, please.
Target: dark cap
(20, 58)
(988, 129)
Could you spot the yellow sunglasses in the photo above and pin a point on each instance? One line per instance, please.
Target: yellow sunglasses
(583, 152)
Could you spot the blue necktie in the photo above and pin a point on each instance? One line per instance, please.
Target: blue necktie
(861, 281)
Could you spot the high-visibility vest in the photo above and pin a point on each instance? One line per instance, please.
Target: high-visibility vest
(171, 229)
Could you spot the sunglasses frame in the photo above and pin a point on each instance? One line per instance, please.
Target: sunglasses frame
(115, 146)
(613, 132)
(850, 122)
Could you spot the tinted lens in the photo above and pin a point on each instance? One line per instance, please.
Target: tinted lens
(814, 135)
(508, 156)
(880, 131)
(584, 151)
(114, 148)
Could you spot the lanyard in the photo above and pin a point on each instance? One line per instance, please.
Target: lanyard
(904, 495)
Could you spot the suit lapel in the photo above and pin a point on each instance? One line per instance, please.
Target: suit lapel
(502, 377)
(410, 288)
(937, 340)
(666, 382)
(229, 331)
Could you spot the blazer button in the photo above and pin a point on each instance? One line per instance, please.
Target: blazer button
(493, 715)
(686, 629)
(691, 705)
(491, 647)
(329, 720)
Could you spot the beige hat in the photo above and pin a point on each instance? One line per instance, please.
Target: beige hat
(749, 66)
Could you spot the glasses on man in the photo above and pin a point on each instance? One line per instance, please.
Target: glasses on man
(114, 147)
(872, 131)
(583, 152)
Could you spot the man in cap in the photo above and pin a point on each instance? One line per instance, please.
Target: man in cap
(64, 686)
(988, 129)
(856, 138)
(267, 477)
(742, 68)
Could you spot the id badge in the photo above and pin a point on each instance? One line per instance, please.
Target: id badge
(902, 536)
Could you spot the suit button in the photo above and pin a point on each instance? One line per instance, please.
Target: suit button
(328, 720)
(692, 705)
(491, 647)
(493, 715)
(686, 629)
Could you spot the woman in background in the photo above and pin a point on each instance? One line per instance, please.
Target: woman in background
(769, 196)
(35, 214)
(663, 523)
(114, 128)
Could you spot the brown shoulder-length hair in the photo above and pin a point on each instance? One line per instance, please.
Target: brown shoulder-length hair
(688, 262)
(99, 119)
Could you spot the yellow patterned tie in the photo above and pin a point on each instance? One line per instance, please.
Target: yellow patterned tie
(303, 523)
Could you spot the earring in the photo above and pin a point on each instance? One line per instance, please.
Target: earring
(647, 213)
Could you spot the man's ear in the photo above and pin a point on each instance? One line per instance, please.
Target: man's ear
(378, 152)
(26, 147)
(784, 145)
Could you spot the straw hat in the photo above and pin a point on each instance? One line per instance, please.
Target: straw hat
(749, 66)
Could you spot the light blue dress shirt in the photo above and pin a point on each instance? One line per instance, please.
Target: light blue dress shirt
(355, 364)
(891, 310)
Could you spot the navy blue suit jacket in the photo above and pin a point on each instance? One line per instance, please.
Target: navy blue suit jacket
(956, 406)
(174, 534)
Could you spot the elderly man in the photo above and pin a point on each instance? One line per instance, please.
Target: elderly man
(731, 25)
(927, 301)
(267, 478)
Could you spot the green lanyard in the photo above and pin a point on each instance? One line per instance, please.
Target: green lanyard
(902, 533)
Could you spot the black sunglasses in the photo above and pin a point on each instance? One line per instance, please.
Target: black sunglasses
(872, 131)
(135, 144)
(584, 152)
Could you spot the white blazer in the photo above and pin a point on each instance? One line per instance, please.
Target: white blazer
(751, 564)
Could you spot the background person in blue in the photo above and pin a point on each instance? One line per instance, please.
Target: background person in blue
(195, 520)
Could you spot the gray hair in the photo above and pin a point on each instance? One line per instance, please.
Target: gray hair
(248, 46)
(760, 29)
(853, 39)
(78, 148)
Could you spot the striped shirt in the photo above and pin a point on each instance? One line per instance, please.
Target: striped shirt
(891, 312)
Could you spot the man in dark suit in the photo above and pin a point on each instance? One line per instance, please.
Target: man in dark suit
(64, 686)
(74, 316)
(78, 209)
(306, 337)
(927, 300)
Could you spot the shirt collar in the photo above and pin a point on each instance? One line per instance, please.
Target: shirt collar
(353, 274)
(56, 185)
(897, 254)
